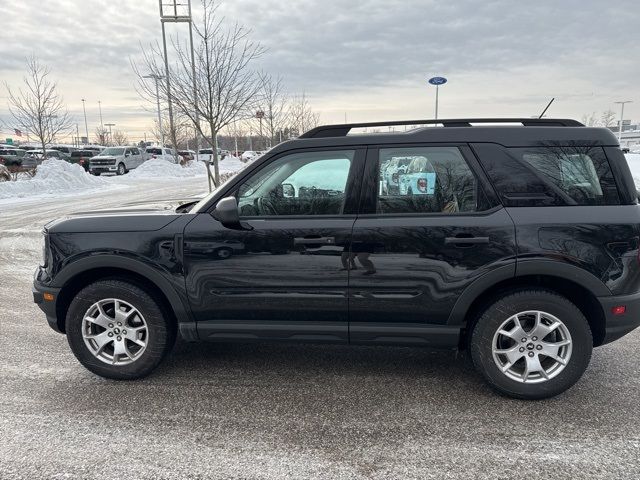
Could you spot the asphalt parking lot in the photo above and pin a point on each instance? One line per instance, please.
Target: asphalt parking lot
(298, 411)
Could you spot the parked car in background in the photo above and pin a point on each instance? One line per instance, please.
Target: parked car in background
(94, 148)
(187, 155)
(49, 153)
(248, 155)
(11, 157)
(205, 154)
(118, 160)
(65, 150)
(33, 158)
(161, 153)
(82, 158)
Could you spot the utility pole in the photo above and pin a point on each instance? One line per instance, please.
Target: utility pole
(86, 128)
(100, 107)
(110, 135)
(157, 79)
(621, 118)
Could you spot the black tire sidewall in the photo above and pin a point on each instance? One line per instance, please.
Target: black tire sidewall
(546, 301)
(160, 338)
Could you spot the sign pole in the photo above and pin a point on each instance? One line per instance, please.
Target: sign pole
(437, 81)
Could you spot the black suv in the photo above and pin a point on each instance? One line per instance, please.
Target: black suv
(518, 242)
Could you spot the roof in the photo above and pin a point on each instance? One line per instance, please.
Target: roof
(509, 132)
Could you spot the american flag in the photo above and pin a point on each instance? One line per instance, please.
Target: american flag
(17, 132)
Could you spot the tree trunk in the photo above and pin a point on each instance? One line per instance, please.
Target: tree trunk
(214, 156)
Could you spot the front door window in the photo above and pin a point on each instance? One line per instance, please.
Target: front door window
(309, 183)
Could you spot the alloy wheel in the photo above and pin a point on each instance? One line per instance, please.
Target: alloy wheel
(115, 332)
(532, 347)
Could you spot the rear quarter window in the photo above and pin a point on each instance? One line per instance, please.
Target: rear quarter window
(549, 176)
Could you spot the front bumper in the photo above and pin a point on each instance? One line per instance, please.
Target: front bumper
(47, 306)
(619, 325)
(103, 168)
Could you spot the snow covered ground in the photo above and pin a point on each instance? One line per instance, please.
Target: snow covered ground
(57, 178)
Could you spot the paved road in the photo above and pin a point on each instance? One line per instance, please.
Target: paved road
(275, 411)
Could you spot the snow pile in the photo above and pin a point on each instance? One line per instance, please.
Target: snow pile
(158, 168)
(231, 164)
(633, 159)
(52, 177)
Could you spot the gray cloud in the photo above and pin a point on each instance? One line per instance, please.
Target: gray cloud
(370, 57)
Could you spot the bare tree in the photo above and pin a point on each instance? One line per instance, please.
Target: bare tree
(273, 102)
(37, 108)
(590, 119)
(119, 138)
(101, 135)
(608, 118)
(182, 126)
(301, 116)
(227, 88)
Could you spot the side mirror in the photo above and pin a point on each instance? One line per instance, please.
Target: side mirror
(226, 213)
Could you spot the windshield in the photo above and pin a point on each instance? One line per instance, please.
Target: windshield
(113, 151)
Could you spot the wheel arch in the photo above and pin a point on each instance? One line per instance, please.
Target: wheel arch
(578, 286)
(80, 274)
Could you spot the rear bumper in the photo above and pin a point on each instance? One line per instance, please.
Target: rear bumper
(47, 306)
(619, 325)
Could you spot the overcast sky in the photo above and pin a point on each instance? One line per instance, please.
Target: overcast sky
(367, 59)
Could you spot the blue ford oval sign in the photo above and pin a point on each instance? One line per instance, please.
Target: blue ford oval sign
(437, 81)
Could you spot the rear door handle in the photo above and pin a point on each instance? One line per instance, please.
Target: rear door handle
(314, 241)
(465, 240)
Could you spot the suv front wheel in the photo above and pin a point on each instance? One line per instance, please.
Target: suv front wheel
(531, 344)
(121, 169)
(117, 330)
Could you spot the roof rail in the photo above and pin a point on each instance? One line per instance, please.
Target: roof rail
(344, 129)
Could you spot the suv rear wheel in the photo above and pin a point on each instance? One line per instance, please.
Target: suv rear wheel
(531, 344)
(117, 330)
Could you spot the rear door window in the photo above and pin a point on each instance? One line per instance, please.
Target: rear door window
(426, 180)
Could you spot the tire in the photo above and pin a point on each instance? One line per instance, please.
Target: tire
(522, 378)
(121, 169)
(158, 333)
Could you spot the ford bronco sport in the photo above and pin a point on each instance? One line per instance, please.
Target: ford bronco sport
(521, 246)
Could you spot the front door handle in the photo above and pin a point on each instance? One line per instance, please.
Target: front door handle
(465, 241)
(314, 241)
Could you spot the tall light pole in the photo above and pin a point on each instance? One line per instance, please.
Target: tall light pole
(157, 79)
(437, 81)
(621, 118)
(110, 125)
(86, 127)
(171, 15)
(100, 108)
